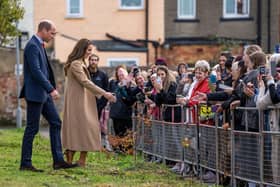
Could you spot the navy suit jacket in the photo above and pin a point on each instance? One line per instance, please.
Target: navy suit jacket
(38, 75)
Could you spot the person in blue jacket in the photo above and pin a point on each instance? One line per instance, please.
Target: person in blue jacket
(39, 91)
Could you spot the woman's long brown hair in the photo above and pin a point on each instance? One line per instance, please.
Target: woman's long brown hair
(77, 53)
(168, 79)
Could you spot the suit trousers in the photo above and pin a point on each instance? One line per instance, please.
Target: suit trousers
(49, 112)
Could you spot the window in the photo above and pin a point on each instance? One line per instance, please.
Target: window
(74, 8)
(186, 9)
(131, 4)
(236, 8)
(113, 62)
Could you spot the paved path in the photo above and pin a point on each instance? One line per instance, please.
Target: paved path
(44, 131)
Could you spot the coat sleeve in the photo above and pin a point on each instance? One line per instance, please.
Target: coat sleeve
(180, 87)
(275, 97)
(78, 72)
(168, 97)
(32, 56)
(204, 88)
(217, 96)
(263, 100)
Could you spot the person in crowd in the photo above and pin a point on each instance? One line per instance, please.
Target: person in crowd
(201, 83)
(256, 59)
(39, 91)
(271, 121)
(188, 80)
(165, 86)
(253, 58)
(100, 79)
(136, 93)
(202, 69)
(229, 95)
(153, 70)
(153, 109)
(181, 78)
(80, 129)
(120, 113)
(160, 62)
(223, 69)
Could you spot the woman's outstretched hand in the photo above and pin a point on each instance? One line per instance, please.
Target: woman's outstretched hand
(110, 97)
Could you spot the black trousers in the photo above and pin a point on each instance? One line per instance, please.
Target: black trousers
(121, 126)
(48, 110)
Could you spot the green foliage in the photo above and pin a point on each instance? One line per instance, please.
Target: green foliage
(103, 169)
(10, 13)
(228, 44)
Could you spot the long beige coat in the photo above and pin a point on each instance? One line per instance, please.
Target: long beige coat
(80, 127)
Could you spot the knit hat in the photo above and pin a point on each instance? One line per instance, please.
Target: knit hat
(160, 62)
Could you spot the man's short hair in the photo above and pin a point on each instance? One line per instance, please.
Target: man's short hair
(44, 25)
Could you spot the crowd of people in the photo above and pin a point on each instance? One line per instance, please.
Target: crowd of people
(248, 80)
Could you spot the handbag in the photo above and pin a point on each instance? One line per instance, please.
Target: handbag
(103, 121)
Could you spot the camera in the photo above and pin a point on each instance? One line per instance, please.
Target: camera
(191, 76)
(140, 97)
(262, 70)
(135, 71)
(148, 89)
(158, 80)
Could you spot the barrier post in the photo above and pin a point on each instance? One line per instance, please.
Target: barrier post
(261, 139)
(217, 146)
(134, 132)
(182, 136)
(233, 180)
(142, 138)
(199, 169)
(163, 137)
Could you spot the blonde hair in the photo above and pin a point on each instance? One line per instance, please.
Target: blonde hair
(251, 49)
(202, 65)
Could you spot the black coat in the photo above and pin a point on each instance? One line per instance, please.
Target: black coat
(100, 78)
(119, 110)
(274, 93)
(169, 97)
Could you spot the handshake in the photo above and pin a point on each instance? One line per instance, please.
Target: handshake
(110, 97)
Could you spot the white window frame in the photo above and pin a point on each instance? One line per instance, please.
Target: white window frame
(186, 16)
(131, 7)
(235, 15)
(78, 15)
(121, 59)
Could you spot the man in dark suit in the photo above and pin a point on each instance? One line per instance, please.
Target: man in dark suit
(39, 90)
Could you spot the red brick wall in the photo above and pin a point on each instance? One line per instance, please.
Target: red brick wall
(8, 95)
(191, 53)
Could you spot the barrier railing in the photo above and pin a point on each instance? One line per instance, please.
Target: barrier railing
(246, 151)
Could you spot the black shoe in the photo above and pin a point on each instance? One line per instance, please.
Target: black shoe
(63, 165)
(30, 168)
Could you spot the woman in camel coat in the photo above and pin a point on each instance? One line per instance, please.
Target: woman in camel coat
(80, 127)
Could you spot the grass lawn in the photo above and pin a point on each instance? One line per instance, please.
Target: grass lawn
(102, 170)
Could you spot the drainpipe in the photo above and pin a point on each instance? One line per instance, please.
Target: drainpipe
(268, 26)
(147, 30)
(259, 23)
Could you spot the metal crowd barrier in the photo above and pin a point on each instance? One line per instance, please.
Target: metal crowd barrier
(239, 152)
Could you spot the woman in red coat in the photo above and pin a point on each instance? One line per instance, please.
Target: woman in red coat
(200, 84)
